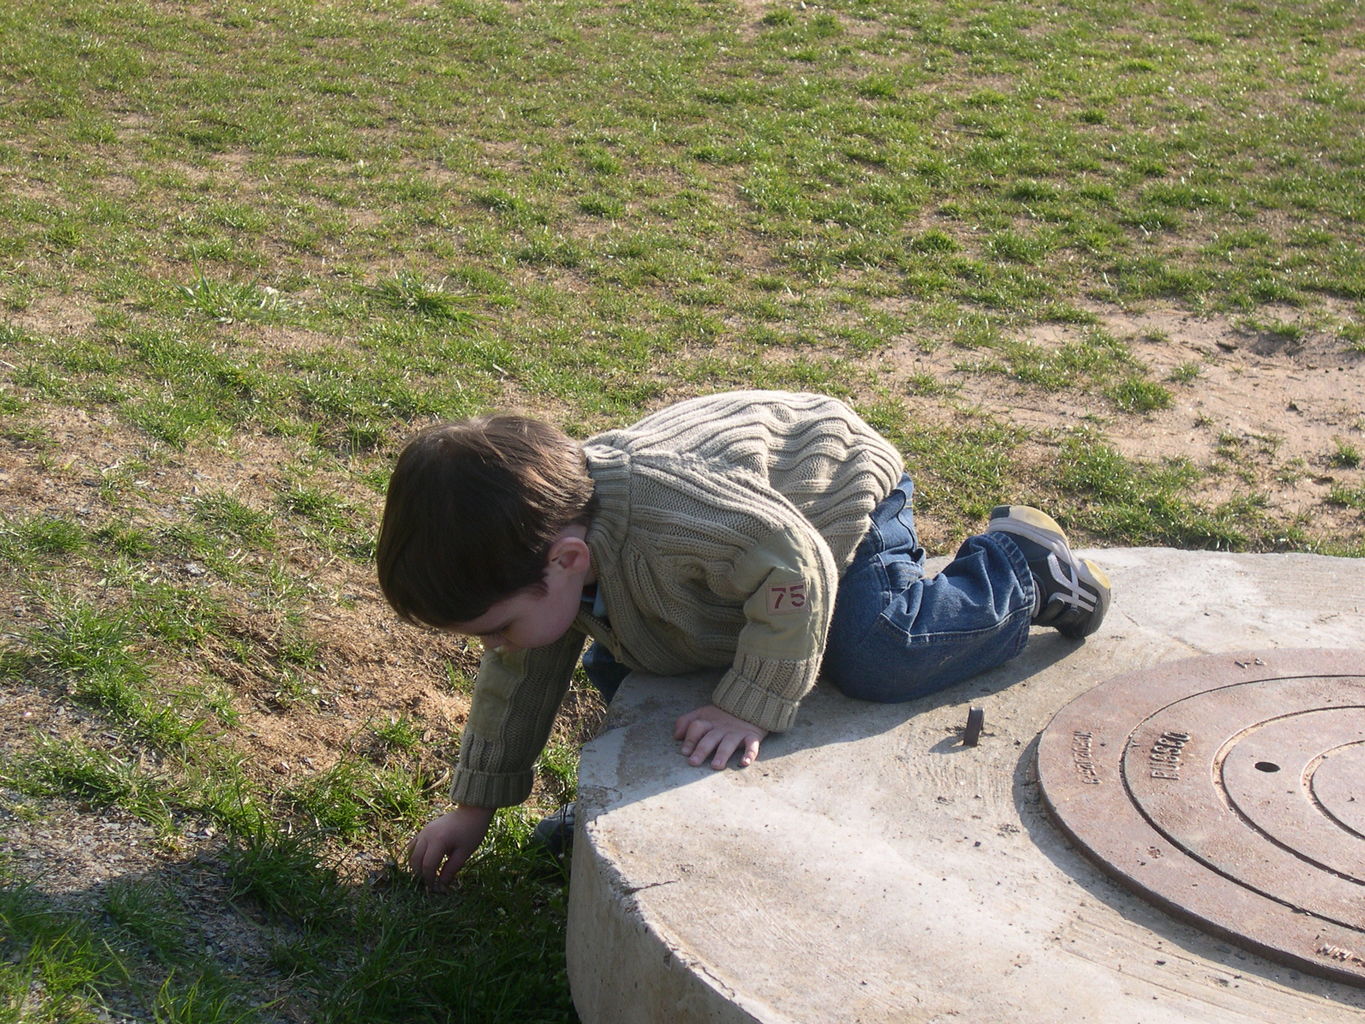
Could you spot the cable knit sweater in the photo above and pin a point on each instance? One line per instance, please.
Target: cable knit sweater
(723, 525)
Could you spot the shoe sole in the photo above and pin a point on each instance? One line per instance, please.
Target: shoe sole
(1031, 524)
(1091, 575)
(1040, 528)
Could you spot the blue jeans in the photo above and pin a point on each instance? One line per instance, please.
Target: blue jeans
(897, 635)
(603, 670)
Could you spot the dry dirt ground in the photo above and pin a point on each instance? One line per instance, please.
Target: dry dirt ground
(1286, 408)
(1266, 414)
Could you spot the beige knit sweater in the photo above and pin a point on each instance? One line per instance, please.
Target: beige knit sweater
(722, 528)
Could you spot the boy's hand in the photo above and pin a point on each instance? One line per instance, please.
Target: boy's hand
(439, 851)
(711, 732)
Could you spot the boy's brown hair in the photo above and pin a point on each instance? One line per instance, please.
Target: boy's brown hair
(472, 509)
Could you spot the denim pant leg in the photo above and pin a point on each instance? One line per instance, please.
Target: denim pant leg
(897, 635)
(604, 671)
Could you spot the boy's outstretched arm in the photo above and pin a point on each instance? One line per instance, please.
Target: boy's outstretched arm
(711, 732)
(438, 852)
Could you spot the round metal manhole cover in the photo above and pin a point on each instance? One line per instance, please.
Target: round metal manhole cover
(1230, 790)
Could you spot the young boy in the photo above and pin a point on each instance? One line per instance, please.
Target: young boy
(764, 533)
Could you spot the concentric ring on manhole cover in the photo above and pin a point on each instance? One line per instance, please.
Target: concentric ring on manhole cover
(1231, 790)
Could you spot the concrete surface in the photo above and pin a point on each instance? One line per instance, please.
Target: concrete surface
(869, 868)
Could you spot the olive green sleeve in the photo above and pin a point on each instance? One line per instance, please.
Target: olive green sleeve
(516, 698)
(791, 579)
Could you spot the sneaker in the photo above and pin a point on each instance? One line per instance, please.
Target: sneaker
(1073, 593)
(555, 832)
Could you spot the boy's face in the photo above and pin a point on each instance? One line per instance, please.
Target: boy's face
(535, 616)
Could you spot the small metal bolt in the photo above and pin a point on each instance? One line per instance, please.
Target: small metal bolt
(976, 718)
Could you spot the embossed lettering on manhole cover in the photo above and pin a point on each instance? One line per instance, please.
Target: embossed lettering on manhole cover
(1230, 790)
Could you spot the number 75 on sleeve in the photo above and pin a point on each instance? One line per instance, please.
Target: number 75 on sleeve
(787, 599)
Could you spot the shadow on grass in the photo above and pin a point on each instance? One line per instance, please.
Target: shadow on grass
(264, 931)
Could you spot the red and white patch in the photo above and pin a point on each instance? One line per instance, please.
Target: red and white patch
(787, 600)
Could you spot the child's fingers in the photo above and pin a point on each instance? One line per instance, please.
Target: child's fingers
(691, 728)
(717, 735)
(421, 861)
(453, 864)
(746, 744)
(703, 746)
(726, 749)
(697, 732)
(684, 723)
(750, 752)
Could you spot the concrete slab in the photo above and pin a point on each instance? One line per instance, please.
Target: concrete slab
(870, 868)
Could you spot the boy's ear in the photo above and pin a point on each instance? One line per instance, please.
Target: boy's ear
(571, 554)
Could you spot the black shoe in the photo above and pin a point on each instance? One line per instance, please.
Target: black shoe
(555, 833)
(1073, 593)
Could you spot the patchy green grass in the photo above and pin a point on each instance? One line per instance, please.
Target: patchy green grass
(244, 249)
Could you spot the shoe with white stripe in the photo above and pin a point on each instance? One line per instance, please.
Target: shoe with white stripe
(1073, 593)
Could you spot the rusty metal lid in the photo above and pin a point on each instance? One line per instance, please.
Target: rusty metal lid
(1231, 791)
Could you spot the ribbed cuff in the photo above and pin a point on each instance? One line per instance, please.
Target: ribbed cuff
(744, 696)
(485, 789)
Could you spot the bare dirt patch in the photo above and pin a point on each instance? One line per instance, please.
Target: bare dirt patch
(1261, 412)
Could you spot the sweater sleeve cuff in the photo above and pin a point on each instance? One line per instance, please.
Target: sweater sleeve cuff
(764, 691)
(487, 789)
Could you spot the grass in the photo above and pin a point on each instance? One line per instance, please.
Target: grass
(243, 250)
(386, 954)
